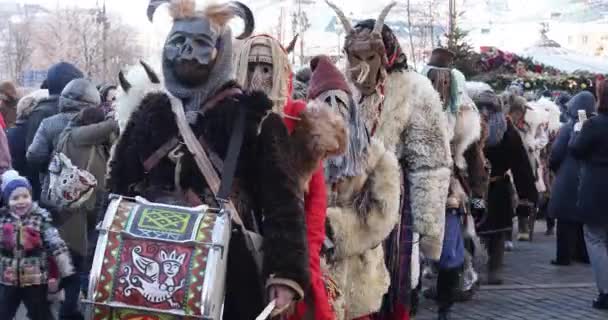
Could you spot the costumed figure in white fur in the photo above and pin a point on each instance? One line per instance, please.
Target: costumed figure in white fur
(364, 187)
(552, 127)
(401, 109)
(468, 184)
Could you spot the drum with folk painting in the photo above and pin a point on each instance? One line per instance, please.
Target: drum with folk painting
(159, 262)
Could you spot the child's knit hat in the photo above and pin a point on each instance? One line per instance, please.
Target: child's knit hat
(11, 180)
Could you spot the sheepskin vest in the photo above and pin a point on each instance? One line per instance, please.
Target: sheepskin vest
(361, 216)
(414, 126)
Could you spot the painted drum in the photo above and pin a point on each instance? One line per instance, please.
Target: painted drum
(159, 262)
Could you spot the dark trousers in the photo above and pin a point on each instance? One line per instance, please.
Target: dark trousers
(495, 243)
(550, 222)
(543, 212)
(34, 298)
(448, 283)
(69, 307)
(570, 242)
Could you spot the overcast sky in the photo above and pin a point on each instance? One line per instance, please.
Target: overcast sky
(134, 10)
(266, 11)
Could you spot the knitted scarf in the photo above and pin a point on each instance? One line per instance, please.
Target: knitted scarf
(352, 163)
(194, 97)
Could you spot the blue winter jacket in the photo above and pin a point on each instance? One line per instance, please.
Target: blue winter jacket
(590, 146)
(564, 192)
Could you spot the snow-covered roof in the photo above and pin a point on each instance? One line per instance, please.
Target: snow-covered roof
(549, 52)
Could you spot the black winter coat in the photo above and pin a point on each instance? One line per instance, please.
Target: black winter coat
(509, 154)
(562, 204)
(590, 146)
(17, 141)
(16, 144)
(45, 108)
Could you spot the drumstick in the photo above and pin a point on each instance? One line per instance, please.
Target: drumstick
(266, 312)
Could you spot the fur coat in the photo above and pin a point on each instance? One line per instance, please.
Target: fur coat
(317, 305)
(414, 126)
(264, 187)
(364, 211)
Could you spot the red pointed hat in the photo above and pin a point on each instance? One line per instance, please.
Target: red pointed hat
(325, 77)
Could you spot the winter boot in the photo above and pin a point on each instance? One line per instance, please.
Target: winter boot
(523, 229)
(496, 253)
(494, 278)
(444, 315)
(601, 302)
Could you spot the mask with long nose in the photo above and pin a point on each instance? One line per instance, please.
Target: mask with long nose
(366, 52)
(260, 69)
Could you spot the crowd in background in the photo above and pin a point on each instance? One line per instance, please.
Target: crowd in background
(68, 115)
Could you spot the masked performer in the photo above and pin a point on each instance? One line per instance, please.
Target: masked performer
(363, 203)
(519, 112)
(505, 151)
(468, 184)
(401, 109)
(272, 170)
(262, 64)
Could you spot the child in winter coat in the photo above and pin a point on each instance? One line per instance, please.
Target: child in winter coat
(27, 241)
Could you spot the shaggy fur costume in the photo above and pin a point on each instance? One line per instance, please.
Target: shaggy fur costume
(262, 184)
(126, 103)
(536, 137)
(413, 125)
(365, 212)
(465, 129)
(553, 113)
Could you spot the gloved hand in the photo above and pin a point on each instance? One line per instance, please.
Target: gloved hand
(31, 239)
(478, 208)
(69, 280)
(8, 236)
(578, 126)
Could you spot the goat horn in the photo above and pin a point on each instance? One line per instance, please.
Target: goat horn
(124, 84)
(380, 22)
(241, 10)
(152, 6)
(150, 72)
(348, 28)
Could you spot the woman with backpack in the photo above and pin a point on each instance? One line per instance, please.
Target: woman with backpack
(86, 142)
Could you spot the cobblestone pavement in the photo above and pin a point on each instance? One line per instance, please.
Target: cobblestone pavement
(533, 290)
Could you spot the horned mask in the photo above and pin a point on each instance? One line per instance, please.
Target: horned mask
(365, 50)
(193, 44)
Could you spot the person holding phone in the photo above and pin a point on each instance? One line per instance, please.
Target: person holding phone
(562, 205)
(589, 145)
